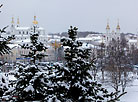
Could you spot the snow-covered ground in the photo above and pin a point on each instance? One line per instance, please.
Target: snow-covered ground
(132, 93)
(131, 96)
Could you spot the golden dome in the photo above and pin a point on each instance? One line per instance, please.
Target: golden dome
(56, 45)
(107, 27)
(113, 31)
(12, 20)
(18, 21)
(118, 26)
(35, 22)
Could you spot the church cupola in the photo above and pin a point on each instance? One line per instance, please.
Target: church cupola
(12, 22)
(35, 22)
(18, 22)
(107, 27)
(118, 28)
(12, 26)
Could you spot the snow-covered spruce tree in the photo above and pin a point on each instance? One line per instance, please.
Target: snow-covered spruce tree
(73, 82)
(4, 83)
(4, 49)
(31, 78)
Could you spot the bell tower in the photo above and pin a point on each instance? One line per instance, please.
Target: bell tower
(107, 35)
(12, 26)
(18, 22)
(118, 31)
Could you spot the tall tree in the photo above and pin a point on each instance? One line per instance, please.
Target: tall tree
(73, 80)
(36, 48)
(4, 49)
(117, 65)
(31, 78)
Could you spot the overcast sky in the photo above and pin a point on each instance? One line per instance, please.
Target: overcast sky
(87, 15)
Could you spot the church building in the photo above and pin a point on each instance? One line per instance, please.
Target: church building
(23, 33)
(112, 35)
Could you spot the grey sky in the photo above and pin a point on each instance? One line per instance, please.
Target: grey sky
(87, 15)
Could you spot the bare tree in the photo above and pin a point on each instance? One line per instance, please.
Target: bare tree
(101, 59)
(118, 66)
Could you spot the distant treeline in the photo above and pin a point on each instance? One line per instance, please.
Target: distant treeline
(84, 33)
(80, 34)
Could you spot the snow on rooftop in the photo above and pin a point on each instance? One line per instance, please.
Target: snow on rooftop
(22, 28)
(53, 36)
(90, 38)
(40, 28)
(86, 45)
(97, 37)
(22, 41)
(27, 28)
(132, 41)
(53, 40)
(98, 40)
(81, 39)
(20, 35)
(13, 45)
(92, 35)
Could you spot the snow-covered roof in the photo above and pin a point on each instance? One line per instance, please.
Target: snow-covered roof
(20, 35)
(42, 35)
(97, 37)
(132, 41)
(81, 39)
(90, 38)
(40, 28)
(85, 45)
(27, 28)
(54, 36)
(92, 35)
(53, 40)
(22, 41)
(98, 40)
(13, 45)
(22, 28)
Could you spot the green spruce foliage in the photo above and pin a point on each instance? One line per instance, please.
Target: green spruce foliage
(31, 78)
(73, 81)
(4, 49)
